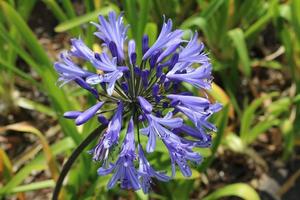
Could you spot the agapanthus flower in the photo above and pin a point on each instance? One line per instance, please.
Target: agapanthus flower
(147, 97)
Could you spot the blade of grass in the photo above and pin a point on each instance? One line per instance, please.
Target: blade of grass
(211, 9)
(249, 114)
(131, 16)
(151, 31)
(56, 10)
(273, 10)
(141, 23)
(27, 34)
(44, 67)
(260, 128)
(38, 163)
(20, 176)
(72, 23)
(241, 190)
(34, 186)
(73, 157)
(5, 166)
(67, 4)
(32, 105)
(237, 36)
(23, 54)
(25, 76)
(296, 17)
(26, 128)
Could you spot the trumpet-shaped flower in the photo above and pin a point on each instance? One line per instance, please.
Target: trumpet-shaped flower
(148, 95)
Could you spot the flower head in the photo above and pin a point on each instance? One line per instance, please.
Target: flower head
(147, 95)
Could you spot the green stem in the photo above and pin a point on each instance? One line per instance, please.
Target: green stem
(66, 168)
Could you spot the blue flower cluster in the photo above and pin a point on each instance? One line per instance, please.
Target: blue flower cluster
(149, 95)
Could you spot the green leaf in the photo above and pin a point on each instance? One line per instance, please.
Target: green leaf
(5, 166)
(20, 176)
(211, 9)
(131, 16)
(143, 17)
(237, 36)
(249, 115)
(72, 23)
(259, 24)
(34, 186)
(241, 190)
(56, 10)
(200, 23)
(67, 4)
(195, 175)
(296, 17)
(260, 128)
(23, 127)
(32, 105)
(26, 76)
(151, 31)
(27, 35)
(141, 23)
(37, 164)
(234, 143)
(280, 106)
(22, 53)
(289, 138)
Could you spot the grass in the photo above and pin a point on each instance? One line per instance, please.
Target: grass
(235, 34)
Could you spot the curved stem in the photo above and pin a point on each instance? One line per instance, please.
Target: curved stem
(72, 159)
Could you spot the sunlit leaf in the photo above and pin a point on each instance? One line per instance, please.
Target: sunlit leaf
(37, 164)
(24, 127)
(237, 36)
(72, 23)
(241, 190)
(34, 186)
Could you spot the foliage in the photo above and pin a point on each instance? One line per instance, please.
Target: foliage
(231, 30)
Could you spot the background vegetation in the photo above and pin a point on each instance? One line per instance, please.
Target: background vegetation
(255, 49)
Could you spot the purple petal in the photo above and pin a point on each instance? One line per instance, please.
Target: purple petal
(88, 114)
(80, 50)
(171, 49)
(151, 142)
(104, 171)
(146, 106)
(72, 114)
(119, 173)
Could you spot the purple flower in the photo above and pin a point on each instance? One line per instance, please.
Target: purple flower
(180, 153)
(112, 30)
(80, 50)
(193, 52)
(202, 137)
(199, 77)
(192, 102)
(165, 39)
(145, 105)
(110, 137)
(200, 119)
(156, 127)
(68, 70)
(148, 95)
(88, 114)
(124, 169)
(105, 63)
(131, 52)
(146, 172)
